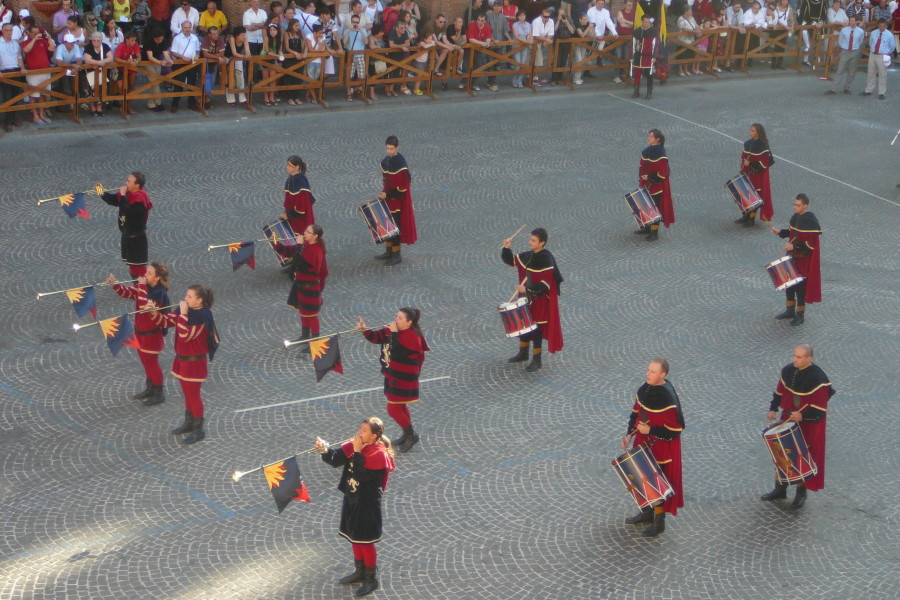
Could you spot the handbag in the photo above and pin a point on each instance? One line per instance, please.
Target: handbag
(380, 67)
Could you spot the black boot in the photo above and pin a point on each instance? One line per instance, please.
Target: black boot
(788, 312)
(157, 396)
(356, 576)
(400, 439)
(656, 527)
(305, 334)
(535, 363)
(146, 393)
(642, 231)
(645, 516)
(197, 434)
(370, 583)
(751, 220)
(187, 426)
(654, 235)
(779, 493)
(799, 497)
(744, 218)
(637, 91)
(412, 438)
(798, 318)
(522, 356)
(387, 252)
(395, 257)
(649, 88)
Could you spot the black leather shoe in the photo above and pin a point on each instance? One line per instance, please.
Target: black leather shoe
(412, 438)
(798, 319)
(157, 396)
(654, 235)
(535, 364)
(146, 393)
(645, 516)
(743, 219)
(357, 576)
(187, 426)
(656, 527)
(197, 434)
(522, 356)
(370, 583)
(393, 260)
(779, 493)
(799, 497)
(386, 255)
(787, 314)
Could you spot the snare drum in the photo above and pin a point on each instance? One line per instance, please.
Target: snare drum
(379, 220)
(642, 477)
(785, 442)
(783, 273)
(745, 195)
(283, 233)
(643, 208)
(516, 317)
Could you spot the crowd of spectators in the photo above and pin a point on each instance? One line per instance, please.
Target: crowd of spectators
(114, 33)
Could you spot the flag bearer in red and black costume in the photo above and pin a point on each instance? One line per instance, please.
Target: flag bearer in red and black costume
(657, 420)
(643, 61)
(134, 208)
(654, 174)
(756, 159)
(298, 199)
(539, 278)
(151, 291)
(309, 273)
(368, 460)
(403, 350)
(803, 247)
(802, 395)
(396, 181)
(196, 342)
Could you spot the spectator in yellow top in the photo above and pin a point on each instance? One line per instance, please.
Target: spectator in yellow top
(211, 17)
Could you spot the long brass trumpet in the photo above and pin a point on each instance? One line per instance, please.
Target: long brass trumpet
(98, 190)
(237, 475)
(288, 343)
(271, 239)
(77, 327)
(101, 284)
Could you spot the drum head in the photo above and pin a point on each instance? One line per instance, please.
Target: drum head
(780, 428)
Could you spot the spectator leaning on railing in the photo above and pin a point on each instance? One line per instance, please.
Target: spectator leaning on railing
(37, 47)
(11, 64)
(97, 54)
(565, 29)
(212, 47)
(156, 51)
(186, 46)
(69, 56)
(542, 31)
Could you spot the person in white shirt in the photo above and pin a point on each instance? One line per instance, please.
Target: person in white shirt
(603, 24)
(542, 30)
(308, 18)
(11, 64)
(180, 15)
(255, 21)
(185, 46)
(754, 18)
(836, 15)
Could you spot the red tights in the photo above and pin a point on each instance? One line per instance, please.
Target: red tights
(151, 367)
(400, 414)
(192, 401)
(312, 323)
(137, 270)
(366, 553)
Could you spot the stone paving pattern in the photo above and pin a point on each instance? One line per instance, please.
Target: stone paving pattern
(510, 493)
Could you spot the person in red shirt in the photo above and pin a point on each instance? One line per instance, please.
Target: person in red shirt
(479, 33)
(127, 53)
(37, 47)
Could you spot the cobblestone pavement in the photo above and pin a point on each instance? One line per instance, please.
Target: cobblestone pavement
(510, 493)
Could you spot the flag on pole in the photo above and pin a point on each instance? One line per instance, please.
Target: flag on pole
(326, 356)
(74, 205)
(119, 332)
(285, 482)
(242, 253)
(83, 301)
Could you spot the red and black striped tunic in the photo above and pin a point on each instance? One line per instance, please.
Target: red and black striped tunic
(402, 355)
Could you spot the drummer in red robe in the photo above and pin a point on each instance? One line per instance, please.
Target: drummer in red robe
(539, 278)
(803, 247)
(756, 159)
(310, 270)
(298, 199)
(196, 341)
(657, 420)
(644, 42)
(655, 177)
(395, 189)
(802, 395)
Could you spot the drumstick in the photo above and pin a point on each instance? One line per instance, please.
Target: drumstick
(895, 137)
(516, 293)
(518, 231)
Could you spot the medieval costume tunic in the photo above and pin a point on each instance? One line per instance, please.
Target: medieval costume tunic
(196, 340)
(134, 209)
(656, 9)
(396, 179)
(655, 165)
(644, 44)
(149, 326)
(760, 158)
(804, 234)
(659, 406)
(402, 356)
(542, 280)
(807, 391)
(298, 202)
(363, 482)
(310, 270)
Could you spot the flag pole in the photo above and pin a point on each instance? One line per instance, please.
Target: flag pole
(98, 190)
(237, 475)
(211, 246)
(288, 343)
(102, 283)
(76, 326)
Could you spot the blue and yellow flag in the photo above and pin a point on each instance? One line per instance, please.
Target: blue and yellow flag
(83, 301)
(119, 332)
(326, 354)
(242, 253)
(285, 482)
(74, 205)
